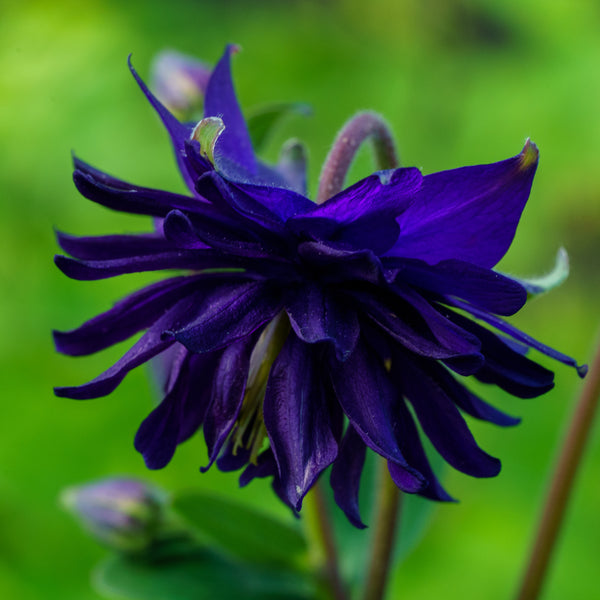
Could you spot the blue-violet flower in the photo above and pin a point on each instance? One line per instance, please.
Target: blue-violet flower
(305, 333)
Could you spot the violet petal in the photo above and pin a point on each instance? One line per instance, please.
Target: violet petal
(180, 134)
(408, 438)
(150, 344)
(234, 144)
(441, 420)
(482, 287)
(470, 213)
(132, 314)
(228, 389)
(345, 475)
(319, 315)
(297, 420)
(367, 396)
(227, 313)
(520, 336)
(108, 247)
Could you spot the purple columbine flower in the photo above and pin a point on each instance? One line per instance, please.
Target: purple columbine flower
(305, 333)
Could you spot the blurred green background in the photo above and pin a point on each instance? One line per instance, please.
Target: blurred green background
(461, 82)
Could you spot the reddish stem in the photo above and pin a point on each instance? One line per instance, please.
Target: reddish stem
(562, 485)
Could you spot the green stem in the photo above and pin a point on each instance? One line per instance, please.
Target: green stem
(388, 516)
(361, 127)
(562, 485)
(324, 549)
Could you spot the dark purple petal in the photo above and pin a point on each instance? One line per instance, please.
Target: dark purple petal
(228, 389)
(107, 247)
(266, 466)
(468, 401)
(229, 312)
(91, 270)
(408, 438)
(232, 458)
(364, 215)
(519, 336)
(132, 314)
(387, 193)
(181, 412)
(319, 315)
(180, 135)
(448, 334)
(297, 419)
(161, 368)
(482, 287)
(233, 199)
(158, 435)
(345, 475)
(198, 232)
(468, 214)
(197, 401)
(418, 327)
(150, 344)
(506, 367)
(367, 396)
(251, 199)
(404, 478)
(234, 144)
(178, 229)
(258, 221)
(441, 420)
(335, 264)
(126, 197)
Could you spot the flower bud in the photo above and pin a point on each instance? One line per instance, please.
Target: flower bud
(121, 513)
(179, 81)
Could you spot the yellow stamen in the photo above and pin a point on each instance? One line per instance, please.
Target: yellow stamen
(250, 431)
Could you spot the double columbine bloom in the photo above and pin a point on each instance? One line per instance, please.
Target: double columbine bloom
(305, 333)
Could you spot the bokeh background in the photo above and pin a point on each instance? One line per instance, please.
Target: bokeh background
(461, 82)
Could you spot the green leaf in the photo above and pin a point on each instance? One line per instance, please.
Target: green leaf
(262, 120)
(239, 530)
(194, 573)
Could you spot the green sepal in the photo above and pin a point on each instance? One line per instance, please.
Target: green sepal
(239, 530)
(292, 163)
(540, 285)
(261, 121)
(188, 571)
(206, 133)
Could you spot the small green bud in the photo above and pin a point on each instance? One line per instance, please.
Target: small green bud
(123, 514)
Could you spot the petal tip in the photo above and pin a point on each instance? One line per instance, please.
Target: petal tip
(130, 64)
(529, 155)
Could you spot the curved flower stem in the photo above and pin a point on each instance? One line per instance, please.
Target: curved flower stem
(361, 127)
(561, 485)
(388, 515)
(323, 538)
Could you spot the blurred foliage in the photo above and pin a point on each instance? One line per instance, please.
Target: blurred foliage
(460, 82)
